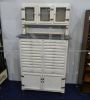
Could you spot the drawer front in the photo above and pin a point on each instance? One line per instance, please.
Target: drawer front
(61, 42)
(55, 66)
(54, 71)
(30, 41)
(32, 65)
(31, 70)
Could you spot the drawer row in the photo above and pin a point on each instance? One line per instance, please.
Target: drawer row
(43, 64)
(40, 41)
(43, 71)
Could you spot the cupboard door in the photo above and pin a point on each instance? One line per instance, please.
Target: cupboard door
(53, 83)
(31, 81)
(29, 14)
(45, 14)
(61, 14)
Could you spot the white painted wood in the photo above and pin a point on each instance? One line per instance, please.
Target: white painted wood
(39, 13)
(43, 61)
(53, 83)
(31, 70)
(24, 31)
(44, 30)
(52, 9)
(45, 58)
(29, 5)
(54, 71)
(43, 23)
(67, 13)
(31, 81)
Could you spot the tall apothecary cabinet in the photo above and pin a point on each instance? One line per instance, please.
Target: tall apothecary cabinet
(44, 46)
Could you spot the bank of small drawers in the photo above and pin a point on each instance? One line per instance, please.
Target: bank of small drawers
(43, 56)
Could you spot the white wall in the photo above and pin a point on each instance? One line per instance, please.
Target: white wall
(11, 27)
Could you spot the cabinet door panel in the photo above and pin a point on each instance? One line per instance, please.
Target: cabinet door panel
(45, 14)
(29, 13)
(61, 13)
(31, 70)
(31, 81)
(53, 83)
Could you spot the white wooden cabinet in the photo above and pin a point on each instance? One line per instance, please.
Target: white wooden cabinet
(46, 14)
(43, 61)
(43, 64)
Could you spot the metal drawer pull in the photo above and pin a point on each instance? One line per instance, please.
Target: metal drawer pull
(42, 80)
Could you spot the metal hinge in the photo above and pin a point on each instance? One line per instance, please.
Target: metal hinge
(62, 87)
(67, 19)
(51, 19)
(22, 8)
(67, 37)
(63, 78)
(23, 19)
(68, 9)
(23, 85)
(22, 76)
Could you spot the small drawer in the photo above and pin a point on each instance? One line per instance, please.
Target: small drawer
(54, 71)
(30, 46)
(55, 47)
(54, 66)
(53, 59)
(32, 65)
(31, 54)
(31, 62)
(31, 70)
(55, 41)
(54, 62)
(54, 56)
(28, 41)
(31, 59)
(55, 53)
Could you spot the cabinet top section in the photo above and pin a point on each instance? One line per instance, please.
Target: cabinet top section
(47, 4)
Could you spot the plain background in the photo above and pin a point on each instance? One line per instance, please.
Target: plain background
(11, 27)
